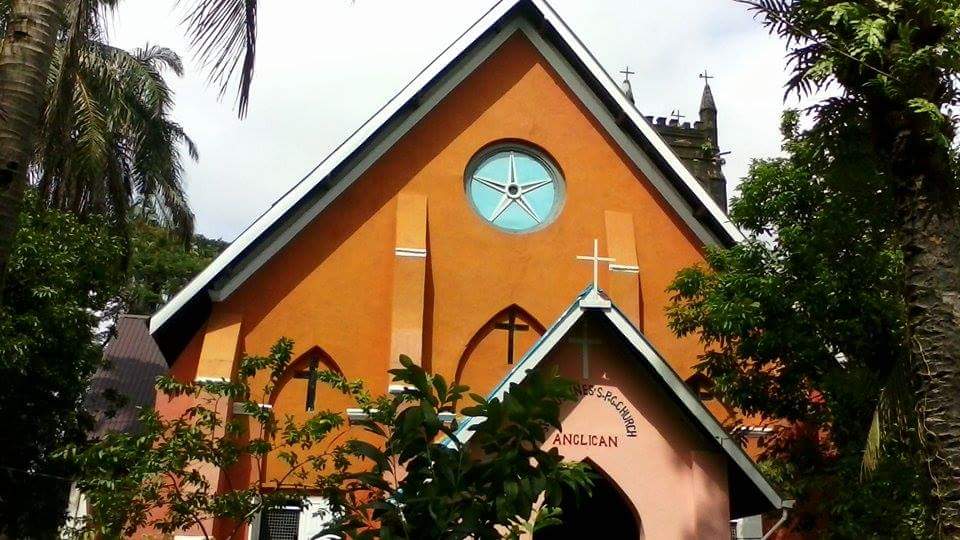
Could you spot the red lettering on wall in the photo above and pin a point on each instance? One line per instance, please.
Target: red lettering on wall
(586, 439)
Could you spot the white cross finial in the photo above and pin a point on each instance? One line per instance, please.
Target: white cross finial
(593, 298)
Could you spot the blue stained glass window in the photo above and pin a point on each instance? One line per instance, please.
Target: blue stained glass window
(514, 190)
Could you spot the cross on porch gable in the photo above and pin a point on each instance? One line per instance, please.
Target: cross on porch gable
(511, 327)
(310, 375)
(596, 259)
(585, 341)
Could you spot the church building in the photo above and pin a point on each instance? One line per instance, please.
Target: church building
(509, 209)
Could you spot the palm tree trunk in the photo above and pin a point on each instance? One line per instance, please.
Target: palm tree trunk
(930, 228)
(25, 55)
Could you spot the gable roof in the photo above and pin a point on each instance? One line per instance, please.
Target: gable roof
(754, 494)
(132, 363)
(175, 323)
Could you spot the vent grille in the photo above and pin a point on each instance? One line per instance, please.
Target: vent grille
(280, 524)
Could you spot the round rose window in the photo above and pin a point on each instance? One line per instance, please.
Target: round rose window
(514, 188)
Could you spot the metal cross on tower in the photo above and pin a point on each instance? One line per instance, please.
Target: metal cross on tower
(627, 73)
(706, 76)
(676, 115)
(310, 375)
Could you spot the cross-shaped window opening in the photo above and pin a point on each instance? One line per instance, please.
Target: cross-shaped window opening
(310, 375)
(511, 326)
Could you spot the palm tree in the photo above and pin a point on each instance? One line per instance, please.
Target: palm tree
(30, 33)
(222, 32)
(898, 65)
(106, 144)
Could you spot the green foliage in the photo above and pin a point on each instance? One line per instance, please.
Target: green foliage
(63, 271)
(446, 492)
(886, 138)
(804, 321)
(160, 265)
(837, 502)
(425, 483)
(820, 278)
(126, 476)
(67, 276)
(107, 144)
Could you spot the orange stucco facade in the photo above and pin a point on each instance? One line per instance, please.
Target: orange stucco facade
(332, 286)
(342, 291)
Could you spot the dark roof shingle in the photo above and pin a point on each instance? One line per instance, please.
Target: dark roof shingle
(132, 363)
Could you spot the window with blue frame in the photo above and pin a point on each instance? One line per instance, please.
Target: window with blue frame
(514, 188)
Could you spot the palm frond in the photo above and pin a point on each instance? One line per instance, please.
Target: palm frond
(892, 418)
(223, 34)
(773, 14)
(108, 144)
(160, 57)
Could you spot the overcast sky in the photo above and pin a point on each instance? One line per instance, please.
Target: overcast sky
(325, 66)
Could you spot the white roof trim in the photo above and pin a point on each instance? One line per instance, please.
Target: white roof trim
(420, 87)
(674, 383)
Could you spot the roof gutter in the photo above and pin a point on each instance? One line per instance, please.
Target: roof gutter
(786, 507)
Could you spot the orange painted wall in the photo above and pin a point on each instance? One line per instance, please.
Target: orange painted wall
(331, 286)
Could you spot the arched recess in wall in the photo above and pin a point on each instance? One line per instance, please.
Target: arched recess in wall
(607, 506)
(496, 347)
(299, 380)
(300, 395)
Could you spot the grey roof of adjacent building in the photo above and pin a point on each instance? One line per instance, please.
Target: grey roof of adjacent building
(132, 363)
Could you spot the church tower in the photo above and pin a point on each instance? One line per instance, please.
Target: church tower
(697, 145)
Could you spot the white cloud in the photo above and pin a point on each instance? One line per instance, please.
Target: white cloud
(323, 67)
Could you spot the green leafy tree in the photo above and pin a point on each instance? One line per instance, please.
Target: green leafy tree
(426, 484)
(896, 64)
(128, 476)
(804, 322)
(66, 275)
(446, 492)
(62, 273)
(160, 265)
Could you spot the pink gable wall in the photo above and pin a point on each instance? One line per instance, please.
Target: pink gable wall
(674, 479)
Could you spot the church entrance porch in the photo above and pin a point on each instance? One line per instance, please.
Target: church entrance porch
(605, 513)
